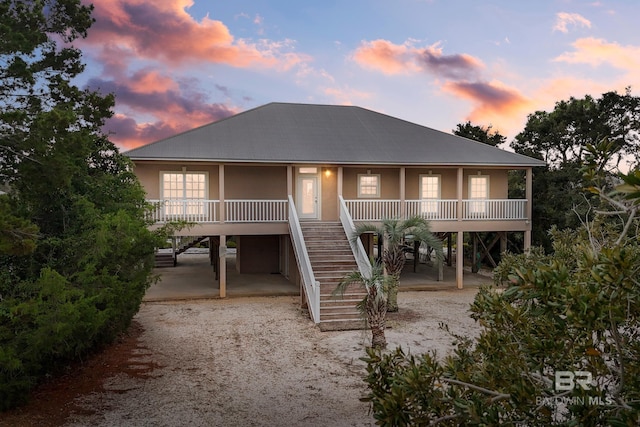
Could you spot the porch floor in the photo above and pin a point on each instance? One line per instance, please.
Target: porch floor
(194, 278)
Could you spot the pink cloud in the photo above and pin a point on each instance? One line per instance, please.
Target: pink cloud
(173, 107)
(493, 102)
(564, 19)
(594, 52)
(384, 56)
(390, 58)
(164, 31)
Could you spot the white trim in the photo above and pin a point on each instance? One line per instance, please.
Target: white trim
(477, 206)
(488, 186)
(359, 184)
(318, 189)
(429, 205)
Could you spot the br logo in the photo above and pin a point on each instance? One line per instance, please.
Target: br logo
(568, 380)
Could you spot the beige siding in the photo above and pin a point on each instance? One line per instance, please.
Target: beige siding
(447, 181)
(255, 182)
(329, 194)
(149, 176)
(498, 182)
(389, 182)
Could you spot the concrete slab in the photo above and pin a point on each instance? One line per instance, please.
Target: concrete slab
(194, 278)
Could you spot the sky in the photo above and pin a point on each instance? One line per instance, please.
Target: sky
(178, 64)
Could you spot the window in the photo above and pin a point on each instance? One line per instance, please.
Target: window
(430, 192)
(184, 192)
(478, 190)
(308, 170)
(368, 185)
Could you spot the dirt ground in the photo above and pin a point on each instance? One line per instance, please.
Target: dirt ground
(236, 362)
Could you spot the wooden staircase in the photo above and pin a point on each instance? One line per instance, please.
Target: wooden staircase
(168, 259)
(331, 259)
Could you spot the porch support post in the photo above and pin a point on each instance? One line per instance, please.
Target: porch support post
(289, 180)
(222, 269)
(449, 249)
(403, 210)
(529, 197)
(460, 234)
(459, 259)
(474, 253)
(221, 192)
(339, 183)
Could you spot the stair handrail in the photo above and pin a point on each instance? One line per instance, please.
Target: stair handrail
(364, 265)
(311, 285)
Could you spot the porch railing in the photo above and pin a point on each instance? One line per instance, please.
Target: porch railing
(373, 210)
(356, 244)
(255, 210)
(311, 285)
(438, 209)
(190, 210)
(207, 211)
(503, 209)
(238, 211)
(433, 210)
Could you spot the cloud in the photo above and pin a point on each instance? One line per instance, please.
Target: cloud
(169, 106)
(390, 58)
(164, 31)
(494, 103)
(595, 52)
(564, 19)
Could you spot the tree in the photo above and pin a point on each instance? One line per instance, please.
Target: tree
(374, 305)
(557, 346)
(561, 138)
(75, 251)
(480, 134)
(394, 232)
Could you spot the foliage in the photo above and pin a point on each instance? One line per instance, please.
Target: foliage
(480, 134)
(394, 233)
(575, 310)
(374, 304)
(75, 251)
(563, 138)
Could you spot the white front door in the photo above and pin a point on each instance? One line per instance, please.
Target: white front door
(307, 197)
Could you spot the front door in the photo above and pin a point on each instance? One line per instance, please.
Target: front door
(307, 197)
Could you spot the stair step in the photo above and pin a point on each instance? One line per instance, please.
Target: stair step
(342, 325)
(163, 260)
(332, 259)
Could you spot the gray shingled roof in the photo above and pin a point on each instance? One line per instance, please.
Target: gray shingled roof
(324, 134)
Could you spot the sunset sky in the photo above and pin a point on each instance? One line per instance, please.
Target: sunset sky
(177, 64)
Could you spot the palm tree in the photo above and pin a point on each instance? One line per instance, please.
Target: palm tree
(374, 305)
(394, 232)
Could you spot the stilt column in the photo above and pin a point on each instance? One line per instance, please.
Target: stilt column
(222, 269)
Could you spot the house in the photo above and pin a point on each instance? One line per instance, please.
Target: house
(289, 181)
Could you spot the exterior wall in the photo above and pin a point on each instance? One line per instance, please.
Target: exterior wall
(389, 181)
(498, 182)
(149, 175)
(258, 254)
(255, 182)
(329, 205)
(448, 179)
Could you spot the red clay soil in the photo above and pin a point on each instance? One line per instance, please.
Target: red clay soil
(52, 402)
